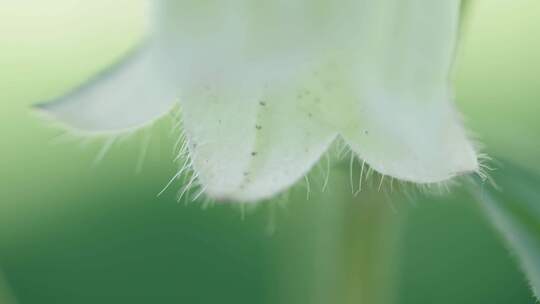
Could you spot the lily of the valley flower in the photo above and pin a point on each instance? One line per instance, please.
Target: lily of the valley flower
(266, 86)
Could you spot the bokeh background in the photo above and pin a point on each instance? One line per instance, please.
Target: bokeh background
(79, 228)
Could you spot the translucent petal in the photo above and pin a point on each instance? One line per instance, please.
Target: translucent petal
(251, 147)
(128, 95)
(407, 127)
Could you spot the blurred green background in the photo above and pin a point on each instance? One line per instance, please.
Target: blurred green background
(73, 230)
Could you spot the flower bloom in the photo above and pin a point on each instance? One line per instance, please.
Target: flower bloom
(265, 87)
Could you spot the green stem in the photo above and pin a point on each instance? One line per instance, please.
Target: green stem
(370, 250)
(336, 247)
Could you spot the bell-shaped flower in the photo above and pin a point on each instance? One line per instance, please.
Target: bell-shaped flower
(265, 87)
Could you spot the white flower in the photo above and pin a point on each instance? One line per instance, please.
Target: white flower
(266, 86)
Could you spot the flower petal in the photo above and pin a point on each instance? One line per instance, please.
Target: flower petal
(406, 124)
(251, 147)
(127, 96)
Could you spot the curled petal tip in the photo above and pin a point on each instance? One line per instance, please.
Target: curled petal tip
(125, 97)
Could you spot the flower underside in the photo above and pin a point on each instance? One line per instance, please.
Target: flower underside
(265, 87)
